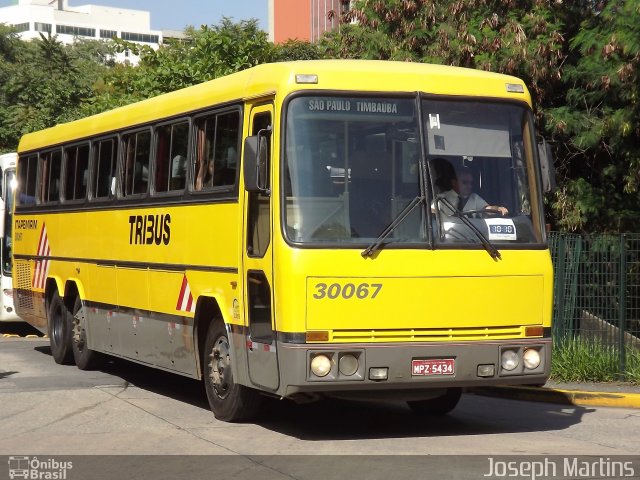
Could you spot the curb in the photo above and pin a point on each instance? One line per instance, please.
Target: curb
(564, 397)
(15, 335)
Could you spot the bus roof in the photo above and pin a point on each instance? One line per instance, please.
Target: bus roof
(280, 79)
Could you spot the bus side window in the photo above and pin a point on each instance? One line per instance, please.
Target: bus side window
(136, 163)
(27, 174)
(217, 138)
(76, 170)
(171, 157)
(104, 174)
(258, 232)
(51, 167)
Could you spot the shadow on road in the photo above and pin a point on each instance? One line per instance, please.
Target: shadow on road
(333, 419)
(351, 420)
(4, 375)
(20, 329)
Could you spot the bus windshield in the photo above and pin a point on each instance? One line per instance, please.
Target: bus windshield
(482, 167)
(9, 186)
(351, 166)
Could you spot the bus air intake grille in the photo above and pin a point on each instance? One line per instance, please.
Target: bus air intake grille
(428, 334)
(23, 277)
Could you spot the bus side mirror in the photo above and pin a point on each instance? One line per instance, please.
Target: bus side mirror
(546, 167)
(256, 162)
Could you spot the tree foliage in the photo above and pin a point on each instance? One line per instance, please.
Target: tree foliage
(521, 38)
(580, 60)
(597, 124)
(204, 54)
(44, 82)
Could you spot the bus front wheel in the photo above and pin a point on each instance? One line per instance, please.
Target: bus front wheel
(60, 331)
(85, 359)
(229, 401)
(439, 405)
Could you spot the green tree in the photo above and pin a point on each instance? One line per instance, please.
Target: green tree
(205, 54)
(597, 126)
(296, 50)
(9, 45)
(45, 82)
(521, 38)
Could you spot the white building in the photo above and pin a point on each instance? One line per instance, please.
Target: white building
(32, 17)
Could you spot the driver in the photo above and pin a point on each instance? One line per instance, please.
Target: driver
(463, 198)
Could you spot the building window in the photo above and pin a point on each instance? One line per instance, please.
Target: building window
(42, 27)
(139, 37)
(108, 34)
(21, 27)
(76, 31)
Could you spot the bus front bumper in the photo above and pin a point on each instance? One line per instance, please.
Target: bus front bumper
(406, 369)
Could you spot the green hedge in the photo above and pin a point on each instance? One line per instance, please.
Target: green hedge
(578, 360)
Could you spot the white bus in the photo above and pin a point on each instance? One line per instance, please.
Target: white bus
(7, 187)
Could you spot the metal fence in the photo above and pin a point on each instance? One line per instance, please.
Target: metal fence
(597, 292)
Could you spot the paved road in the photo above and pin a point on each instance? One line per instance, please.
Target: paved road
(129, 409)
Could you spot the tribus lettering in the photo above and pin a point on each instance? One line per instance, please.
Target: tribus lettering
(149, 229)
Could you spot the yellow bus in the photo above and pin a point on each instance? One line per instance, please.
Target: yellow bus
(296, 230)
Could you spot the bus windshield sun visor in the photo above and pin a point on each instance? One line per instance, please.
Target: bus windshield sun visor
(375, 246)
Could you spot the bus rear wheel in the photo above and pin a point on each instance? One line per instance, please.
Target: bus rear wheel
(439, 405)
(85, 359)
(60, 331)
(229, 401)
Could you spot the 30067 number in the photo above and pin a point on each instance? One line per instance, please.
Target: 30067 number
(349, 290)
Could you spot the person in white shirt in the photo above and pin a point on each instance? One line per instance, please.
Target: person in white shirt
(462, 197)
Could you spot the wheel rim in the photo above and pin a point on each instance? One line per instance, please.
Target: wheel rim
(220, 367)
(79, 333)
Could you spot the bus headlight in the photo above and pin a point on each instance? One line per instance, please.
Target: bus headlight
(348, 365)
(510, 360)
(320, 365)
(531, 358)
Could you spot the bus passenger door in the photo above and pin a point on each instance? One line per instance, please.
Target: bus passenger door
(258, 272)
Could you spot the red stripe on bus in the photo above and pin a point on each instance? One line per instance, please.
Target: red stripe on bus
(181, 296)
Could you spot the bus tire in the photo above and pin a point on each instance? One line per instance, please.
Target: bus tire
(437, 406)
(60, 330)
(85, 358)
(229, 401)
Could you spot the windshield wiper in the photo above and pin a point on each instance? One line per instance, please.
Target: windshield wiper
(488, 246)
(375, 246)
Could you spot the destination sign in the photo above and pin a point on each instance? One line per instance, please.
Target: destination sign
(359, 106)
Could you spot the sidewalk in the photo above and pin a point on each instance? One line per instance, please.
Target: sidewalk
(621, 395)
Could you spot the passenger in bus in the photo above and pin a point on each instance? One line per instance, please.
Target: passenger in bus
(462, 197)
(178, 172)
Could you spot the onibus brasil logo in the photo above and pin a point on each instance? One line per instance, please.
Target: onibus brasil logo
(38, 469)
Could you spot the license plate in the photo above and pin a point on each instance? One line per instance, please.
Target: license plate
(433, 366)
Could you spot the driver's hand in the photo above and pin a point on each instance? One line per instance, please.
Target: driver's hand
(503, 210)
